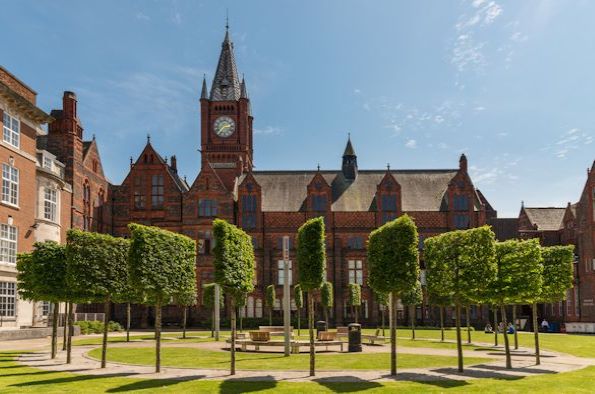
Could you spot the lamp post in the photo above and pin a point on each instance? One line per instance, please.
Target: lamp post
(286, 296)
(217, 312)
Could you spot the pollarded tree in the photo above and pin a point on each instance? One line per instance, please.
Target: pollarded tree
(185, 300)
(161, 264)
(241, 305)
(208, 301)
(298, 296)
(383, 302)
(558, 277)
(128, 296)
(461, 265)
(311, 259)
(234, 269)
(518, 279)
(327, 298)
(441, 303)
(354, 299)
(393, 266)
(98, 265)
(412, 298)
(270, 297)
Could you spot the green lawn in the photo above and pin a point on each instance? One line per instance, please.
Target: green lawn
(168, 337)
(17, 379)
(201, 358)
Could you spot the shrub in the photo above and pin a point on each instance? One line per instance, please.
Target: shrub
(96, 327)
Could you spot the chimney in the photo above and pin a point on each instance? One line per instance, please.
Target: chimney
(69, 104)
(463, 163)
(174, 164)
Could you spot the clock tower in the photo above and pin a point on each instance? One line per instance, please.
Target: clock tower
(226, 120)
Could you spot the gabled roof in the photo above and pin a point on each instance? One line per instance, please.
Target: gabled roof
(546, 219)
(286, 191)
(179, 182)
(505, 228)
(226, 84)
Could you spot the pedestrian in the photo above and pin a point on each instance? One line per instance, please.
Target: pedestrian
(545, 326)
(510, 329)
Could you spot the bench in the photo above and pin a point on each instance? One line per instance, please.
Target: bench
(275, 330)
(295, 345)
(372, 339)
(342, 332)
(260, 336)
(326, 336)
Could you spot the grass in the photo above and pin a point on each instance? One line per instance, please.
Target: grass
(167, 337)
(202, 358)
(15, 378)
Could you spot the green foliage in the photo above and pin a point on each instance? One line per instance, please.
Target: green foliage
(393, 256)
(311, 254)
(460, 264)
(270, 296)
(557, 272)
(96, 264)
(382, 298)
(298, 296)
(520, 268)
(161, 263)
(96, 327)
(208, 296)
(42, 273)
(354, 297)
(234, 259)
(326, 295)
(413, 296)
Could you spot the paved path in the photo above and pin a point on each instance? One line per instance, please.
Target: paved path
(522, 361)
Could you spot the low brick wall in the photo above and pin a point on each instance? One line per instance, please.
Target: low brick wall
(32, 333)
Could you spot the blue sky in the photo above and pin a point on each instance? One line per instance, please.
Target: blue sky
(416, 83)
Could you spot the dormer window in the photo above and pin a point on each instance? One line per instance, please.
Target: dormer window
(389, 207)
(47, 163)
(319, 203)
(249, 211)
(11, 130)
(461, 202)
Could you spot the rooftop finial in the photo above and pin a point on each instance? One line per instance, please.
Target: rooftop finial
(318, 166)
(227, 19)
(93, 136)
(522, 203)
(388, 166)
(148, 138)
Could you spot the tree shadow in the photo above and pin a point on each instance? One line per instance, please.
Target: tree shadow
(246, 385)
(73, 379)
(433, 380)
(151, 384)
(347, 384)
(526, 369)
(478, 373)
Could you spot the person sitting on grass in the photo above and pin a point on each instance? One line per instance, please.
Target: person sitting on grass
(545, 326)
(488, 329)
(510, 329)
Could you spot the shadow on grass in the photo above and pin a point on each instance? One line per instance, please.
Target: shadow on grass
(151, 384)
(72, 379)
(247, 385)
(478, 373)
(517, 369)
(347, 384)
(432, 380)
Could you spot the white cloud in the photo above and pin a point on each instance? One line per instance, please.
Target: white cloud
(571, 140)
(268, 130)
(479, 109)
(411, 143)
(142, 16)
(356, 91)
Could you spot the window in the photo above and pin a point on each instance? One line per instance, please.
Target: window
(280, 243)
(461, 221)
(319, 202)
(47, 163)
(420, 242)
(12, 130)
(249, 212)
(7, 299)
(139, 193)
(157, 191)
(389, 207)
(355, 272)
(461, 203)
(281, 272)
(204, 243)
(10, 184)
(50, 204)
(86, 206)
(45, 308)
(355, 242)
(207, 207)
(8, 244)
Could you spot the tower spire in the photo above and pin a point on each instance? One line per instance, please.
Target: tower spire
(243, 91)
(226, 84)
(349, 167)
(203, 93)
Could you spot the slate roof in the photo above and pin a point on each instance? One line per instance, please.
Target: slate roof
(505, 228)
(286, 191)
(546, 219)
(226, 84)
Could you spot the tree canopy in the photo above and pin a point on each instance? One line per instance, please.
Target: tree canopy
(326, 295)
(42, 273)
(413, 296)
(311, 254)
(270, 296)
(208, 296)
(558, 272)
(355, 295)
(298, 296)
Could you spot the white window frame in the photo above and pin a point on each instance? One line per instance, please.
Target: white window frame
(10, 184)
(356, 271)
(47, 162)
(8, 244)
(281, 274)
(45, 308)
(8, 299)
(11, 130)
(50, 204)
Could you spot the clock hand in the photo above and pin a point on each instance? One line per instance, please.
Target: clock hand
(226, 126)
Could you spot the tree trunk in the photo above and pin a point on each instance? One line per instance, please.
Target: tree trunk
(468, 324)
(233, 339)
(213, 324)
(505, 332)
(184, 317)
(442, 323)
(383, 323)
(299, 313)
(516, 335)
(412, 318)
(70, 330)
(393, 334)
(536, 332)
(326, 315)
(311, 332)
(55, 316)
(65, 322)
(158, 337)
(495, 326)
(128, 322)
(106, 317)
(241, 321)
(459, 344)
(356, 312)
(270, 315)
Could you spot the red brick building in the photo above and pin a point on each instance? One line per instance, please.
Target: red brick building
(271, 204)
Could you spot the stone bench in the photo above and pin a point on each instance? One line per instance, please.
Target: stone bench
(294, 345)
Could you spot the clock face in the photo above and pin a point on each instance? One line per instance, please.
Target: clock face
(224, 126)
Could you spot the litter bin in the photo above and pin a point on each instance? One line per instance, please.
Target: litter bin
(355, 337)
(321, 326)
